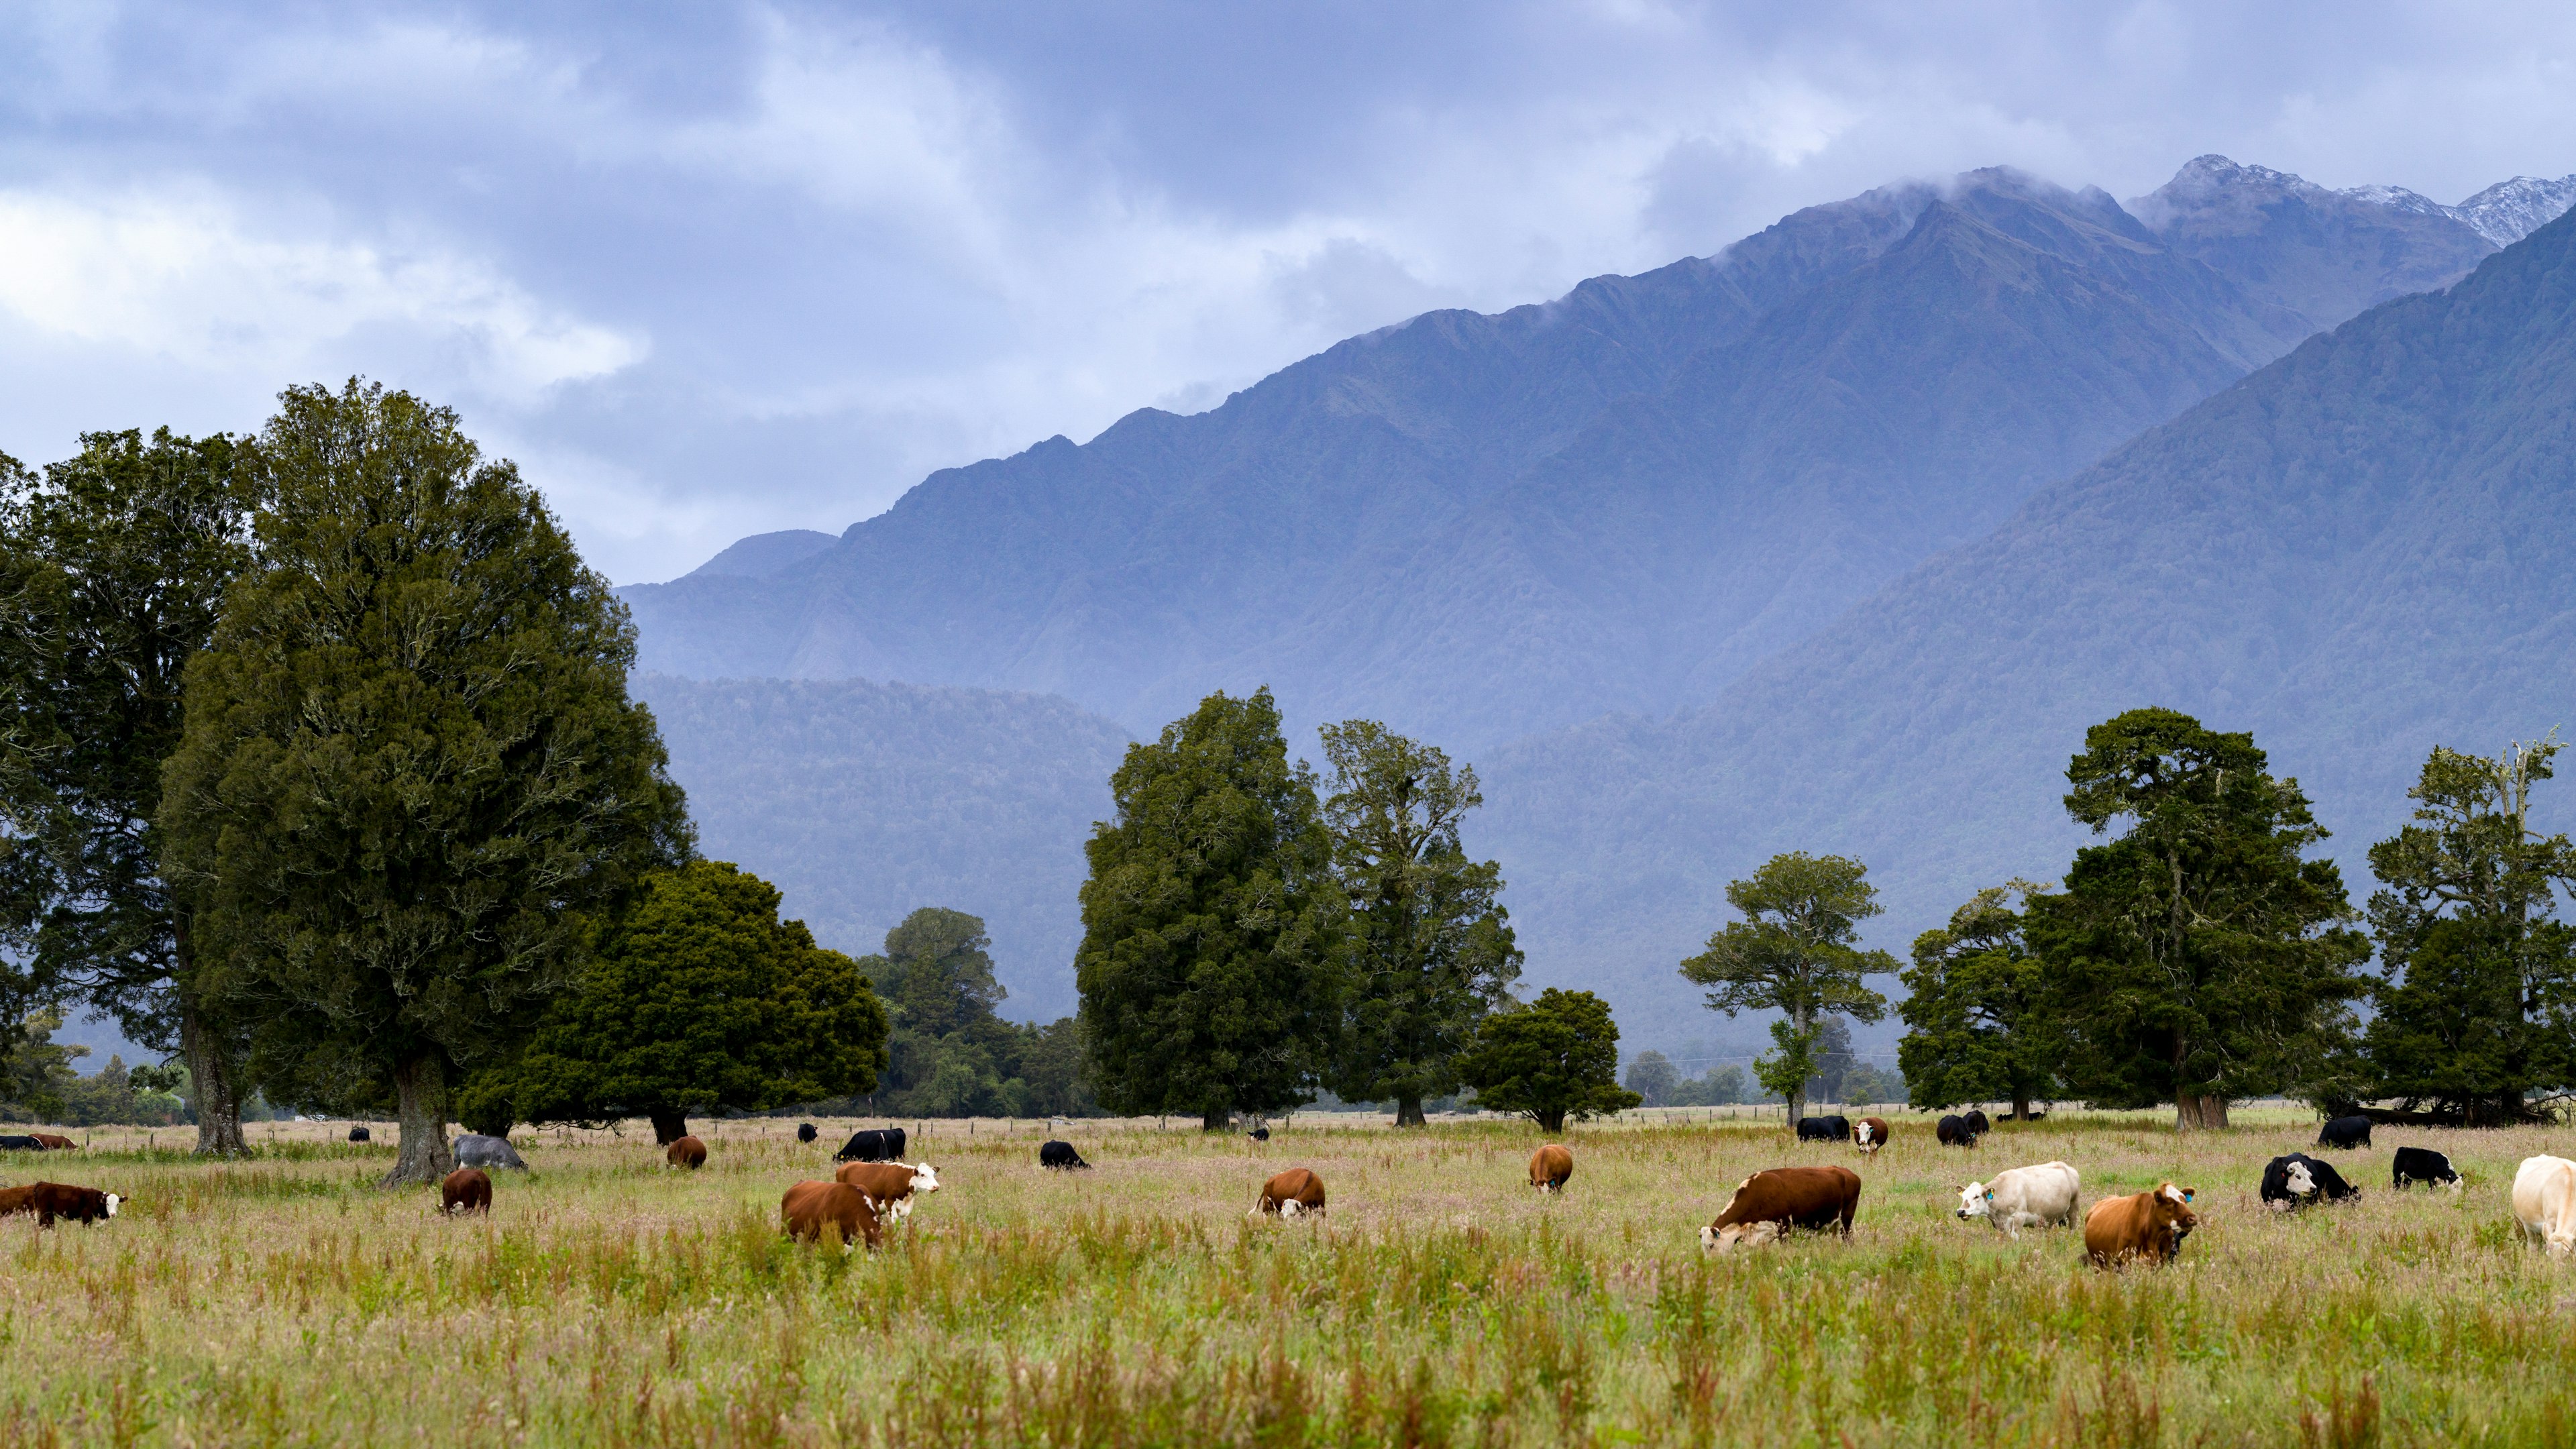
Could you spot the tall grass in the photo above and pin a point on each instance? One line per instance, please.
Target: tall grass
(609, 1299)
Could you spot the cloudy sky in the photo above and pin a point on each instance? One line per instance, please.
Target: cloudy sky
(710, 269)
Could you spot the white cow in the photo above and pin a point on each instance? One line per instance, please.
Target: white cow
(2024, 1197)
(2544, 1202)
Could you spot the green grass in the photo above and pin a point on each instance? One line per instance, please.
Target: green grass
(612, 1300)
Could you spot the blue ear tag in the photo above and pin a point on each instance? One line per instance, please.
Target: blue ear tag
(2186, 1195)
(1990, 1197)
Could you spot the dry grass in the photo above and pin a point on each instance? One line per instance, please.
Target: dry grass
(612, 1300)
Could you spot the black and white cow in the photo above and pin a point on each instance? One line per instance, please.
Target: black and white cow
(1060, 1156)
(2351, 1131)
(2295, 1180)
(1824, 1129)
(2422, 1164)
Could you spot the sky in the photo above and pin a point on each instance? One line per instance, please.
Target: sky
(711, 269)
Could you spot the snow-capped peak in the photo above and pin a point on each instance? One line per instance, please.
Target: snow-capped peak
(2508, 211)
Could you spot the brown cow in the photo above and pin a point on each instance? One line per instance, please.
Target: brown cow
(889, 1185)
(809, 1209)
(1870, 1134)
(55, 1142)
(1550, 1166)
(1294, 1193)
(466, 1190)
(2148, 1225)
(51, 1200)
(1784, 1198)
(686, 1152)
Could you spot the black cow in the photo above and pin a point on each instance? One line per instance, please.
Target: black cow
(873, 1145)
(1061, 1156)
(805, 1132)
(2324, 1183)
(2345, 1132)
(1259, 1134)
(20, 1144)
(2421, 1164)
(360, 1134)
(1824, 1129)
(1956, 1131)
(1978, 1126)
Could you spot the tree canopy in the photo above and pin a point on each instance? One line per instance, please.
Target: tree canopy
(1796, 951)
(1554, 1058)
(951, 1054)
(1976, 1010)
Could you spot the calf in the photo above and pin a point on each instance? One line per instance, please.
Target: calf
(55, 1142)
(1294, 1193)
(1953, 1131)
(2148, 1226)
(2421, 1164)
(805, 1132)
(475, 1149)
(1870, 1134)
(2544, 1203)
(2024, 1197)
(1772, 1201)
(686, 1152)
(811, 1209)
(360, 1134)
(51, 1200)
(873, 1145)
(889, 1185)
(20, 1142)
(2345, 1132)
(466, 1190)
(1824, 1129)
(2295, 1180)
(1550, 1166)
(1061, 1157)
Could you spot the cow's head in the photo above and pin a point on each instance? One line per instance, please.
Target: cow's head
(113, 1202)
(2173, 1211)
(1976, 1200)
(2299, 1180)
(924, 1179)
(1725, 1240)
(1290, 1207)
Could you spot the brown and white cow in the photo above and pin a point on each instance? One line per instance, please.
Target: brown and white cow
(1550, 1166)
(810, 1209)
(1776, 1199)
(466, 1190)
(889, 1185)
(686, 1152)
(1294, 1193)
(1869, 1134)
(2544, 1203)
(2146, 1225)
(51, 1200)
(56, 1142)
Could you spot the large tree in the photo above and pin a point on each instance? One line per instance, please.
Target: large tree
(1796, 952)
(411, 785)
(1975, 1012)
(112, 573)
(2198, 955)
(1554, 1058)
(697, 998)
(2477, 1008)
(1431, 947)
(1211, 923)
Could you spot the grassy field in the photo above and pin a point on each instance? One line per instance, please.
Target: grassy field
(608, 1299)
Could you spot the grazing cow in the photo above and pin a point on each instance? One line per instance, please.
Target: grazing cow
(686, 1152)
(2296, 1179)
(1870, 1133)
(51, 1200)
(1061, 1156)
(2024, 1197)
(2422, 1164)
(1953, 1131)
(1259, 1134)
(56, 1142)
(2544, 1203)
(360, 1134)
(872, 1145)
(20, 1142)
(1772, 1201)
(2345, 1132)
(1824, 1129)
(466, 1190)
(1294, 1193)
(2147, 1225)
(889, 1185)
(1978, 1126)
(1550, 1166)
(474, 1149)
(805, 1132)
(810, 1209)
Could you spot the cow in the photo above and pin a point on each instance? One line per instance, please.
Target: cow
(1953, 1131)
(474, 1149)
(1772, 1201)
(1061, 1157)
(1294, 1193)
(810, 1209)
(889, 1185)
(1978, 1126)
(2296, 1179)
(2351, 1131)
(20, 1142)
(2024, 1197)
(466, 1190)
(51, 1200)
(360, 1134)
(56, 1142)
(2544, 1203)
(686, 1152)
(2421, 1164)
(1550, 1166)
(2147, 1225)
(805, 1132)
(1259, 1134)
(1824, 1129)
(872, 1145)
(1870, 1134)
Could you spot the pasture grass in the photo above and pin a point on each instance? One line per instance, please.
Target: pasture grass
(608, 1299)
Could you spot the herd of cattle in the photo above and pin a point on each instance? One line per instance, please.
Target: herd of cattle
(873, 1187)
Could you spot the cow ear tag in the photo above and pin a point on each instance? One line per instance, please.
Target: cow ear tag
(2186, 1194)
(1990, 1194)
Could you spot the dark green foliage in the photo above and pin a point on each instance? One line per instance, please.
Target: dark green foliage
(1554, 1058)
(411, 785)
(1430, 945)
(1868, 1082)
(2477, 1008)
(41, 1085)
(2197, 956)
(1975, 1010)
(1717, 1087)
(1795, 952)
(698, 998)
(1211, 923)
(1653, 1078)
(951, 1056)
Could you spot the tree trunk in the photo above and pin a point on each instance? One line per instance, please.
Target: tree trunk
(1797, 1104)
(1552, 1121)
(2021, 1107)
(2199, 1112)
(1216, 1119)
(1408, 1112)
(668, 1126)
(420, 1086)
(210, 1076)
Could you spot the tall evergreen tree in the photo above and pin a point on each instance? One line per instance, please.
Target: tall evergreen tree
(2477, 1008)
(1211, 925)
(411, 782)
(2197, 956)
(1975, 1012)
(1431, 947)
(112, 573)
(1796, 951)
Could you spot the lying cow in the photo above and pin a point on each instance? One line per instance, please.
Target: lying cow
(889, 1185)
(2296, 1179)
(1953, 1131)
(466, 1190)
(1824, 1129)
(1550, 1166)
(811, 1209)
(51, 1200)
(2147, 1225)
(2421, 1164)
(1776, 1199)
(56, 1142)
(2024, 1197)
(21, 1142)
(1294, 1193)
(2544, 1203)
(1061, 1157)
(686, 1152)
(475, 1149)
(1870, 1134)
(873, 1145)
(805, 1132)
(360, 1134)
(2351, 1131)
